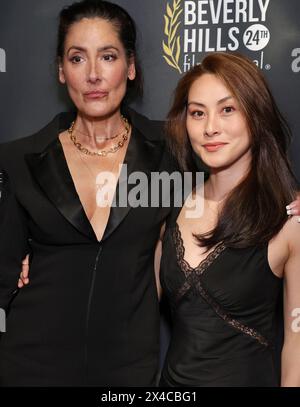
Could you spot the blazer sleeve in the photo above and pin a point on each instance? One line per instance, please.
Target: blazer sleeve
(13, 240)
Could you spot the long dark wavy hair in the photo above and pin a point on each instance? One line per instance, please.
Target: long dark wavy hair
(254, 211)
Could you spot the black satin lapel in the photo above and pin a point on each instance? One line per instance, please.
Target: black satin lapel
(51, 172)
(142, 155)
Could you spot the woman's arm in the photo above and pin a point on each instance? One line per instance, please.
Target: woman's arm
(292, 209)
(290, 376)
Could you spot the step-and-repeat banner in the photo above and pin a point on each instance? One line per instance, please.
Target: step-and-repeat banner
(173, 36)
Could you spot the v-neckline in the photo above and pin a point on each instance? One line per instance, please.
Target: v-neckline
(184, 265)
(48, 168)
(70, 179)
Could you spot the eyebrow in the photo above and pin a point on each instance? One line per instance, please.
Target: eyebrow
(78, 48)
(218, 102)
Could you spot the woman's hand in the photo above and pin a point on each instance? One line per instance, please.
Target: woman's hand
(294, 208)
(23, 280)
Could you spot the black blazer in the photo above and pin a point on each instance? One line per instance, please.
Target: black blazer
(90, 315)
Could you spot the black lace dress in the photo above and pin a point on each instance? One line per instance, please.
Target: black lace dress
(223, 314)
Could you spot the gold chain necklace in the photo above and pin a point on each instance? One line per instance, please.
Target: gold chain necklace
(92, 174)
(98, 138)
(101, 153)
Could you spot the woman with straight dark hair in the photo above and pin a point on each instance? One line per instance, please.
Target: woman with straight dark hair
(223, 271)
(90, 315)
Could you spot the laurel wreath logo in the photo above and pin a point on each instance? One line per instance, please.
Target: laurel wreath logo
(172, 47)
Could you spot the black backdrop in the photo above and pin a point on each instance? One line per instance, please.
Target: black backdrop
(173, 35)
(268, 31)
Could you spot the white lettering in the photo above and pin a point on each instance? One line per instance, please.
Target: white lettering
(260, 63)
(2, 320)
(226, 11)
(104, 186)
(210, 11)
(215, 13)
(235, 43)
(202, 12)
(296, 323)
(263, 8)
(207, 38)
(195, 200)
(2, 60)
(138, 196)
(190, 40)
(241, 6)
(200, 44)
(252, 19)
(120, 397)
(296, 61)
(189, 13)
(219, 40)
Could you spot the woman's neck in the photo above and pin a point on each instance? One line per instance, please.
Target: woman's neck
(223, 180)
(98, 133)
